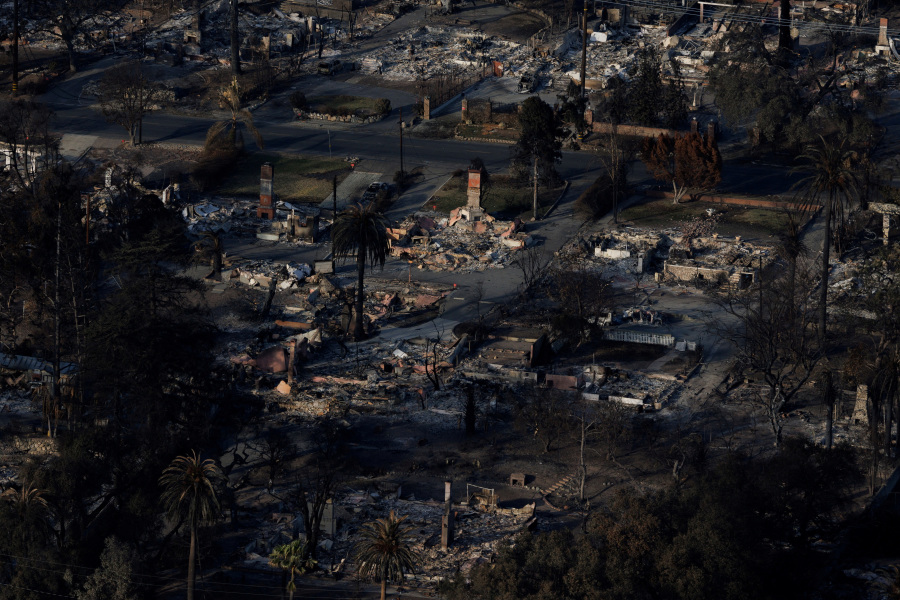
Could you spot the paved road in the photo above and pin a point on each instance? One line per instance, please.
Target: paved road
(378, 146)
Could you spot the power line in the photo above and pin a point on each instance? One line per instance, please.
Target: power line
(19, 587)
(758, 19)
(222, 586)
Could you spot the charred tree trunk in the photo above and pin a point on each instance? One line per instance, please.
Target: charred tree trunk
(235, 40)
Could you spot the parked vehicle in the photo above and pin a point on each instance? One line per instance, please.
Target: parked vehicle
(527, 83)
(330, 67)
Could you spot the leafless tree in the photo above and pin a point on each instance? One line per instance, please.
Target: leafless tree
(126, 95)
(616, 157)
(313, 486)
(71, 21)
(583, 295)
(775, 339)
(274, 449)
(532, 262)
(543, 413)
(25, 135)
(432, 358)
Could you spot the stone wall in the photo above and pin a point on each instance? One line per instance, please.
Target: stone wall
(772, 202)
(36, 444)
(342, 119)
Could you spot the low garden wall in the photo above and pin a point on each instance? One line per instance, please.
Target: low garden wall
(341, 119)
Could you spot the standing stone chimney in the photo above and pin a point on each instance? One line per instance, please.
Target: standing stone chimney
(473, 210)
(266, 209)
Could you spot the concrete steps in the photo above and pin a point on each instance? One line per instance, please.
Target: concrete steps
(565, 481)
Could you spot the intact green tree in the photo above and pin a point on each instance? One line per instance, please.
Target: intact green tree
(674, 101)
(293, 558)
(113, 580)
(646, 90)
(360, 232)
(189, 494)
(384, 551)
(539, 139)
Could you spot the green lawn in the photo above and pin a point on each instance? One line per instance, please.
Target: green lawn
(342, 104)
(297, 178)
(488, 131)
(747, 222)
(505, 196)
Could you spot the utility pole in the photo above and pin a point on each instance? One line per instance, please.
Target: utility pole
(141, 105)
(54, 388)
(534, 215)
(402, 172)
(334, 198)
(584, 50)
(15, 48)
(87, 220)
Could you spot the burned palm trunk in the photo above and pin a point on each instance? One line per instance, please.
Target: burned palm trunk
(235, 40)
(447, 526)
(471, 411)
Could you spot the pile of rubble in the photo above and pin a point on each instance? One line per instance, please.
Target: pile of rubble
(261, 273)
(427, 51)
(478, 532)
(627, 387)
(726, 261)
(456, 244)
(293, 223)
(610, 54)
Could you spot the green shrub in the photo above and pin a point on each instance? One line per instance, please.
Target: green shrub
(382, 106)
(595, 201)
(298, 101)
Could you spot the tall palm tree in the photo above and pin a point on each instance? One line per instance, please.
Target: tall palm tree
(32, 511)
(831, 180)
(293, 558)
(229, 129)
(384, 550)
(360, 231)
(189, 493)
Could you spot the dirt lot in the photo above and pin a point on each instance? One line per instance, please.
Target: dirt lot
(495, 20)
(750, 223)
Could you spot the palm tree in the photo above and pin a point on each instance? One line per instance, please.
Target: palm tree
(189, 493)
(384, 550)
(31, 511)
(293, 558)
(360, 231)
(230, 100)
(831, 179)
